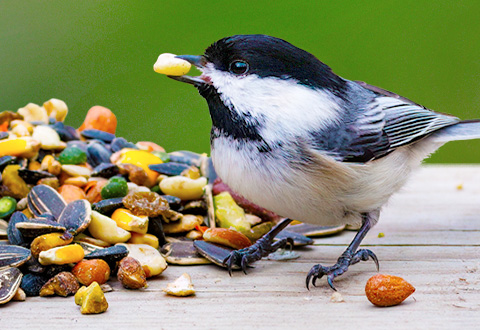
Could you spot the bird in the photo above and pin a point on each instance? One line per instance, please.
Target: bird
(295, 138)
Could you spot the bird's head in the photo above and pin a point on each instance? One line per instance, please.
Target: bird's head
(231, 60)
(257, 84)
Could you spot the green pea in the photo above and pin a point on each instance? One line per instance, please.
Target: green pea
(72, 156)
(115, 187)
(7, 206)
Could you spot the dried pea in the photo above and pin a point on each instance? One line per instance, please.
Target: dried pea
(72, 156)
(115, 187)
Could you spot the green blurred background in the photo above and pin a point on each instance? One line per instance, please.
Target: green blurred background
(102, 52)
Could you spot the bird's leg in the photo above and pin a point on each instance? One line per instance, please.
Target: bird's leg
(350, 257)
(262, 248)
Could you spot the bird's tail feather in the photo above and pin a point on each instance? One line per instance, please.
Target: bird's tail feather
(464, 130)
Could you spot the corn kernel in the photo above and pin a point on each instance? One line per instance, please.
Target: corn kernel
(62, 255)
(128, 221)
(169, 65)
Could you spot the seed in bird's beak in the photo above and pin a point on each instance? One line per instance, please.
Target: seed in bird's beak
(170, 65)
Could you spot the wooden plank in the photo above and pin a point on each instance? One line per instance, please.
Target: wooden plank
(432, 239)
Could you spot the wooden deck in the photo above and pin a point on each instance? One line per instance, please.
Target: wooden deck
(432, 239)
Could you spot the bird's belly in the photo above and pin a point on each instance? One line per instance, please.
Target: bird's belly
(325, 192)
(270, 182)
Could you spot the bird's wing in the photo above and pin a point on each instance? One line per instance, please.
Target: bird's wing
(387, 122)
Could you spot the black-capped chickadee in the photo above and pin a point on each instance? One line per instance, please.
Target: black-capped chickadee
(293, 137)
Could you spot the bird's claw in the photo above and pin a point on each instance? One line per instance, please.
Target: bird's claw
(345, 260)
(262, 248)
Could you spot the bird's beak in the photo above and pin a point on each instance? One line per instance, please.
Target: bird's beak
(198, 61)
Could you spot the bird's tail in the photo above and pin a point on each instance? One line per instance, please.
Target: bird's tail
(464, 130)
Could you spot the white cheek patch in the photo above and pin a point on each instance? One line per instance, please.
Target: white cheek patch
(281, 105)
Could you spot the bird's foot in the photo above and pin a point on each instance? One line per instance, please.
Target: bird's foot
(346, 259)
(262, 248)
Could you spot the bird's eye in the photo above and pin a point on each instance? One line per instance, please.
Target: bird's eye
(238, 67)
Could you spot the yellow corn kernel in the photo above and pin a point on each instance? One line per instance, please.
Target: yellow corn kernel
(169, 65)
(140, 158)
(62, 255)
(91, 299)
(49, 241)
(128, 221)
(56, 109)
(20, 147)
(106, 229)
(148, 239)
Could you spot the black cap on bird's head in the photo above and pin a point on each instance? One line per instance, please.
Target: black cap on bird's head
(263, 56)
